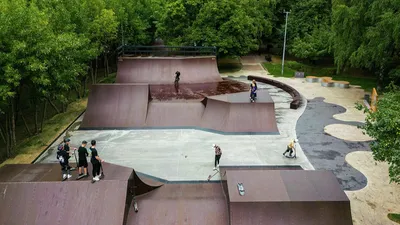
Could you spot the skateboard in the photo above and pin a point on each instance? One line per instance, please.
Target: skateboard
(82, 176)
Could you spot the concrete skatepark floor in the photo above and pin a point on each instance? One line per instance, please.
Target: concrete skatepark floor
(188, 154)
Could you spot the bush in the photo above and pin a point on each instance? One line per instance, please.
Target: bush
(311, 70)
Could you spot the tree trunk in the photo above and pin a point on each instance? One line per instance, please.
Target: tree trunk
(107, 67)
(3, 136)
(36, 116)
(7, 131)
(84, 86)
(43, 115)
(92, 73)
(13, 137)
(78, 91)
(95, 71)
(26, 125)
(54, 106)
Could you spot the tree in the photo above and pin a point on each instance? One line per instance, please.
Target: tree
(366, 35)
(234, 26)
(384, 127)
(309, 29)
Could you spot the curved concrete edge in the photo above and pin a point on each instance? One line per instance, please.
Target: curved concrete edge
(371, 204)
(346, 132)
(297, 100)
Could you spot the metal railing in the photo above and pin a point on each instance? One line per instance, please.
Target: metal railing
(130, 50)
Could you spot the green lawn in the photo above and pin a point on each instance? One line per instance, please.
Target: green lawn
(276, 70)
(30, 148)
(367, 83)
(394, 217)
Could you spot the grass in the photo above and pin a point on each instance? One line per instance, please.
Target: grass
(394, 217)
(110, 79)
(367, 83)
(276, 70)
(31, 147)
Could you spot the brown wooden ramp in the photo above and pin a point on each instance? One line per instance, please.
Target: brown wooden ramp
(116, 106)
(34, 194)
(186, 203)
(161, 70)
(283, 197)
(233, 113)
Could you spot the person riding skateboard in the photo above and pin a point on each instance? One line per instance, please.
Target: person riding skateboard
(291, 147)
(218, 154)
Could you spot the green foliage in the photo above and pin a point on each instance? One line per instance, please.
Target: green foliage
(226, 24)
(384, 127)
(366, 35)
(309, 31)
(394, 217)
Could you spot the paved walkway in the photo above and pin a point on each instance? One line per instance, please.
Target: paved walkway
(324, 151)
(370, 205)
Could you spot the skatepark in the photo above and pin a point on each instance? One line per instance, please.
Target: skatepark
(157, 140)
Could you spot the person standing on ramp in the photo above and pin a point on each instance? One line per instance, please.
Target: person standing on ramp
(218, 154)
(177, 77)
(253, 91)
(83, 153)
(96, 161)
(63, 157)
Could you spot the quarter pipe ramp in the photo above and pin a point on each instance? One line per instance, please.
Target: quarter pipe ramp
(161, 70)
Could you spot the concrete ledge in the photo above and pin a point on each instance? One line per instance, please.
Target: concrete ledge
(312, 79)
(295, 104)
(328, 82)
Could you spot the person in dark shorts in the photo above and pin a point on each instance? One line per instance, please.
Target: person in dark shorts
(253, 91)
(63, 157)
(82, 163)
(218, 154)
(96, 161)
(291, 147)
(177, 76)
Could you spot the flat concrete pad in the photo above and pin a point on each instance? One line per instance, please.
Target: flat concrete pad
(188, 154)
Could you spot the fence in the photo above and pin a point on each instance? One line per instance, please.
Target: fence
(130, 50)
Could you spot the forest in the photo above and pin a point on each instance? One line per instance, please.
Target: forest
(52, 50)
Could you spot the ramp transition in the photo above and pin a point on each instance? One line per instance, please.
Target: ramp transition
(131, 106)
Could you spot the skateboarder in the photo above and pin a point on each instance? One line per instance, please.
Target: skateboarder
(218, 154)
(177, 77)
(253, 91)
(83, 153)
(96, 161)
(63, 157)
(291, 147)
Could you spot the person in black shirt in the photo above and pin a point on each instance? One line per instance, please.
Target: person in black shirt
(63, 157)
(177, 77)
(83, 153)
(95, 160)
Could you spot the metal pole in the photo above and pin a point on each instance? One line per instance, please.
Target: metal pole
(284, 43)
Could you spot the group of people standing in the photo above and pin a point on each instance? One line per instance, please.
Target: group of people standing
(64, 153)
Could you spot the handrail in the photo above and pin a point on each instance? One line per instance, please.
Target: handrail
(133, 50)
